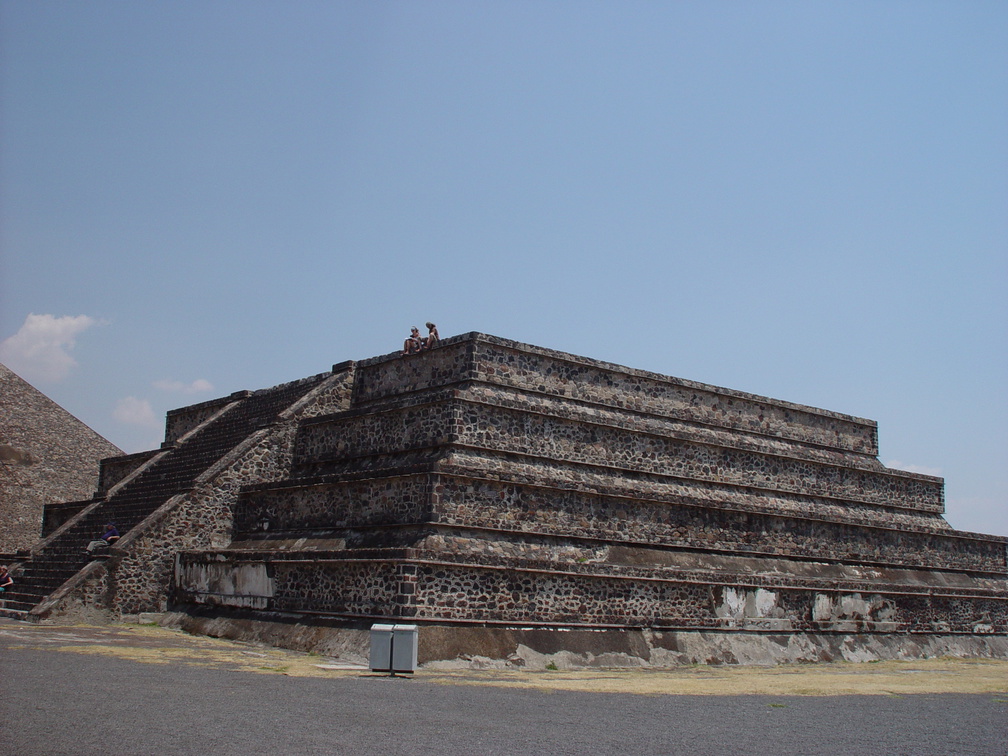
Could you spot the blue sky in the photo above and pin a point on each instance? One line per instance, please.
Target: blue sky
(805, 200)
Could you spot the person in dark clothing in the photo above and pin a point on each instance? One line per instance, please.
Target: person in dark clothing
(110, 536)
(6, 581)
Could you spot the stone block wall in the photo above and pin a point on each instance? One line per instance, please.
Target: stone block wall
(183, 420)
(465, 419)
(427, 587)
(644, 486)
(675, 522)
(459, 502)
(294, 509)
(54, 515)
(478, 357)
(532, 368)
(116, 469)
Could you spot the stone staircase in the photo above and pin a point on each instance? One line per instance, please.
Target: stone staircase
(175, 472)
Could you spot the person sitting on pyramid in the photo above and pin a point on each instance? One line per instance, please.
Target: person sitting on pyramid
(432, 336)
(110, 536)
(413, 342)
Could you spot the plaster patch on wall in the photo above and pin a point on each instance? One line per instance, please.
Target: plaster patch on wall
(852, 608)
(739, 603)
(248, 585)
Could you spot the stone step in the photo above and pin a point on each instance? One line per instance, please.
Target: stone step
(174, 473)
(25, 604)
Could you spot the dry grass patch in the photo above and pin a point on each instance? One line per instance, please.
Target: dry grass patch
(150, 644)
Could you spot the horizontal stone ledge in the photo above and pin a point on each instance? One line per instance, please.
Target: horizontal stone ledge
(466, 389)
(323, 467)
(460, 473)
(288, 616)
(593, 443)
(848, 459)
(677, 426)
(317, 475)
(476, 339)
(591, 571)
(415, 616)
(531, 647)
(439, 468)
(430, 527)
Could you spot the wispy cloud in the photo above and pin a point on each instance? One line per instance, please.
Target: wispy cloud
(199, 386)
(40, 350)
(133, 411)
(895, 464)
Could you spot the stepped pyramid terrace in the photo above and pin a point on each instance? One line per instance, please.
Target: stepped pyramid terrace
(518, 503)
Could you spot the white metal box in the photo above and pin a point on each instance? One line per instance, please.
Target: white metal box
(393, 648)
(380, 659)
(404, 648)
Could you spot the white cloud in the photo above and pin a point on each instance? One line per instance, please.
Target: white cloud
(199, 386)
(895, 464)
(133, 411)
(39, 351)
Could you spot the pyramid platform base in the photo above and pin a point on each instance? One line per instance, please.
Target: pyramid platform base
(447, 646)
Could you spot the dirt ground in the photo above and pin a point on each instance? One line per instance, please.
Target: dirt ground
(151, 644)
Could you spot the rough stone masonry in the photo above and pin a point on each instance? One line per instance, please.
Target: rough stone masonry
(516, 502)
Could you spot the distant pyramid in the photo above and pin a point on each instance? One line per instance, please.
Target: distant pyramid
(46, 456)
